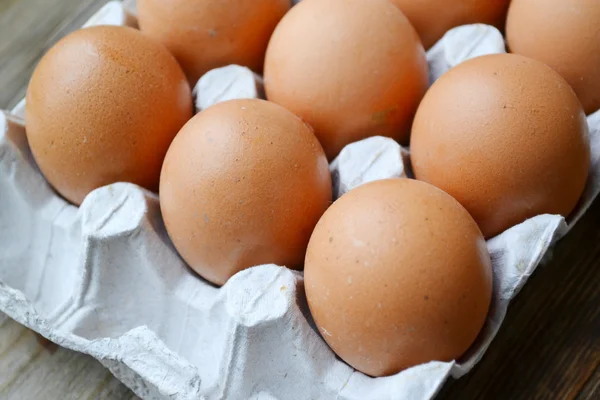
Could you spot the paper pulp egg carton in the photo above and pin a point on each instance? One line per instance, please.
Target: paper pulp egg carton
(104, 279)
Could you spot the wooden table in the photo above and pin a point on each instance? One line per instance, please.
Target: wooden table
(548, 347)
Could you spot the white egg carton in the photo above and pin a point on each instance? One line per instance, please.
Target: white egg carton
(104, 279)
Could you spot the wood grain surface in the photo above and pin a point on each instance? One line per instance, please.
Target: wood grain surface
(33, 368)
(548, 347)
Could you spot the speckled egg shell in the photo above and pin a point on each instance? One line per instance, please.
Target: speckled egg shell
(208, 34)
(243, 184)
(565, 34)
(103, 105)
(397, 274)
(350, 68)
(507, 137)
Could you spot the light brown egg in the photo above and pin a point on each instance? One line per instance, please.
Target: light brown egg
(506, 136)
(397, 274)
(243, 184)
(565, 34)
(208, 34)
(433, 18)
(350, 68)
(103, 105)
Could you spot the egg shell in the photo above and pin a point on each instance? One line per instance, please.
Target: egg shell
(433, 18)
(350, 68)
(397, 274)
(506, 136)
(243, 184)
(565, 34)
(103, 106)
(204, 35)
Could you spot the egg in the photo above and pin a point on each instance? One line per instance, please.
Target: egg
(204, 35)
(565, 34)
(103, 106)
(507, 137)
(350, 68)
(397, 274)
(433, 18)
(243, 184)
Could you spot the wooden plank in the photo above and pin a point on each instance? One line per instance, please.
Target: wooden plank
(27, 29)
(34, 368)
(591, 389)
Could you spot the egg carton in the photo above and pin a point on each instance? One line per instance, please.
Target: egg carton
(103, 279)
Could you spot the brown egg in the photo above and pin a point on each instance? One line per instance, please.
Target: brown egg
(506, 136)
(208, 34)
(350, 68)
(103, 105)
(433, 18)
(397, 274)
(243, 184)
(565, 34)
